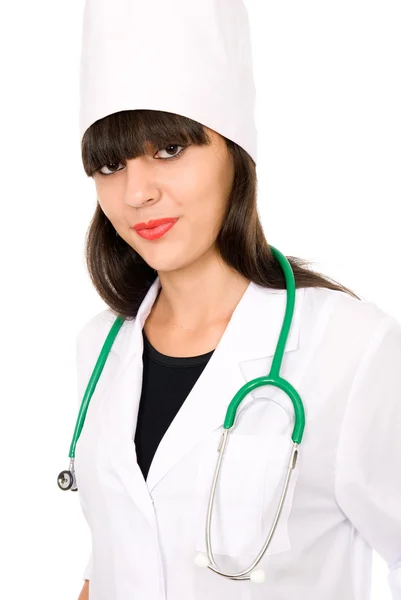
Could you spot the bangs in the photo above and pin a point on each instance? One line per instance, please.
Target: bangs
(126, 134)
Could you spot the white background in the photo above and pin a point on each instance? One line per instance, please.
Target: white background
(328, 115)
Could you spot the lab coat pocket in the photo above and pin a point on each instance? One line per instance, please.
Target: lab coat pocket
(248, 491)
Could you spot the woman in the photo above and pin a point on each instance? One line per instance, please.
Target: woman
(203, 306)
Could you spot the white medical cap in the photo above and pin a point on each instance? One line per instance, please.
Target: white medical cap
(188, 57)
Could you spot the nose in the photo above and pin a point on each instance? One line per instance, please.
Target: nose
(141, 186)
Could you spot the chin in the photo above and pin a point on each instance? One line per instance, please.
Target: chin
(168, 266)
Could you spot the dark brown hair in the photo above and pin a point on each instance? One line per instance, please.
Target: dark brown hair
(120, 275)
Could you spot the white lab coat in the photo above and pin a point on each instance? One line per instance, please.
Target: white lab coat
(343, 356)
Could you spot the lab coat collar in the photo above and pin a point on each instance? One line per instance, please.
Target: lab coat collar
(256, 322)
(243, 353)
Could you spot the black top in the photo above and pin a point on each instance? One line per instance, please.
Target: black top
(166, 382)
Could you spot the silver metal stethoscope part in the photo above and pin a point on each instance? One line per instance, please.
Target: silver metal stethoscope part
(241, 575)
(66, 479)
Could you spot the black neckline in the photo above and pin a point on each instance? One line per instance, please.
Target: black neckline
(173, 361)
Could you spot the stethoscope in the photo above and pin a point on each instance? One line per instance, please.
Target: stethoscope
(66, 479)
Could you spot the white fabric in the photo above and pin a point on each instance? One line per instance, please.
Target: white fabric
(179, 56)
(343, 356)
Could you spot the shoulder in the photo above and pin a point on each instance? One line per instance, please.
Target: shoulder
(96, 327)
(92, 334)
(348, 321)
(343, 306)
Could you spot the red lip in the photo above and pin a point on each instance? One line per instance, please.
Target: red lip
(153, 223)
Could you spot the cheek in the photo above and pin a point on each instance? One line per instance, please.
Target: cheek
(107, 193)
(108, 204)
(201, 197)
(205, 220)
(186, 188)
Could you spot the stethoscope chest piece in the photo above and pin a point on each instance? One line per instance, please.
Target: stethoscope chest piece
(66, 481)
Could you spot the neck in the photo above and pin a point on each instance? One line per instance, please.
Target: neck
(199, 297)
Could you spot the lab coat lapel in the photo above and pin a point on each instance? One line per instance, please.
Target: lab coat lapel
(119, 410)
(251, 334)
(250, 337)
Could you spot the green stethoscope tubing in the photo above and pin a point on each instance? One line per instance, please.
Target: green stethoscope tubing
(93, 381)
(66, 479)
(273, 378)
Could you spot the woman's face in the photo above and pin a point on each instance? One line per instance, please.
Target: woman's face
(194, 187)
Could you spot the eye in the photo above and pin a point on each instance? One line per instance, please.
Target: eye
(171, 148)
(113, 170)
